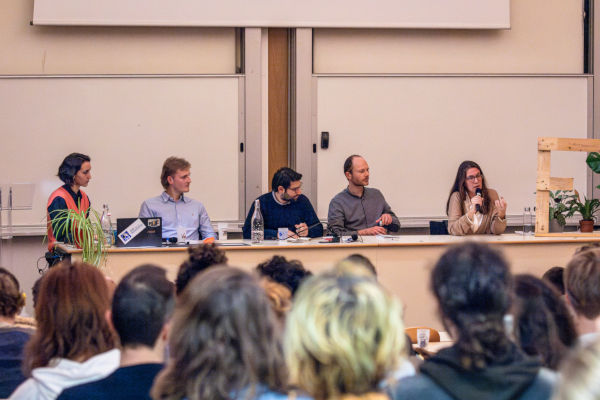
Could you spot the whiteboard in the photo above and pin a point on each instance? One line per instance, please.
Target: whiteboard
(474, 14)
(415, 131)
(128, 126)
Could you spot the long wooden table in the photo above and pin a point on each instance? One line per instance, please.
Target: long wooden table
(403, 263)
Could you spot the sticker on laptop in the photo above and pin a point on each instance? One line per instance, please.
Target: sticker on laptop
(153, 222)
(131, 231)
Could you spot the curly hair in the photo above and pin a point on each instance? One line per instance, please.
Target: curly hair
(472, 285)
(224, 339)
(70, 315)
(11, 298)
(200, 258)
(288, 273)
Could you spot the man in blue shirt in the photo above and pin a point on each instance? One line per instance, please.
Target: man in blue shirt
(286, 207)
(182, 217)
(142, 306)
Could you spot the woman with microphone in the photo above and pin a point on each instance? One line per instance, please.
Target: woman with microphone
(472, 207)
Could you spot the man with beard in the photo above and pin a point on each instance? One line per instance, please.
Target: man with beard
(286, 207)
(358, 209)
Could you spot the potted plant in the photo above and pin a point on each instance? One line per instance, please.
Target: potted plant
(85, 231)
(560, 209)
(587, 209)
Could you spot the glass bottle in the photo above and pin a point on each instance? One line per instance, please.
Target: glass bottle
(527, 221)
(257, 224)
(106, 225)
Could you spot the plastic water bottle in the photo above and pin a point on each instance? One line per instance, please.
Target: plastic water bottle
(527, 221)
(258, 224)
(106, 224)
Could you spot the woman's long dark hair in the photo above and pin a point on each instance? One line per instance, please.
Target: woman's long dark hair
(472, 284)
(224, 340)
(459, 186)
(543, 325)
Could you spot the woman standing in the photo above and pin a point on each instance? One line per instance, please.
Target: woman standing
(75, 172)
(472, 207)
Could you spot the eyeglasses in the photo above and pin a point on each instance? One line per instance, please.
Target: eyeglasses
(473, 177)
(296, 190)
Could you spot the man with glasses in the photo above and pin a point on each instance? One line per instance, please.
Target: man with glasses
(286, 207)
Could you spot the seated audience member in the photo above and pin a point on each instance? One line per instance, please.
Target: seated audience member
(286, 207)
(579, 375)
(543, 325)
(288, 273)
(359, 259)
(280, 298)
(470, 213)
(472, 285)
(12, 337)
(73, 343)
(344, 336)
(582, 292)
(224, 342)
(142, 305)
(555, 277)
(200, 257)
(178, 212)
(359, 209)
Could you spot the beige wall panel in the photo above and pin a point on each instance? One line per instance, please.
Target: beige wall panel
(546, 36)
(26, 49)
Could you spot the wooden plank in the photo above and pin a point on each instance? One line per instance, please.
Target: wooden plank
(542, 214)
(568, 144)
(543, 168)
(595, 234)
(555, 184)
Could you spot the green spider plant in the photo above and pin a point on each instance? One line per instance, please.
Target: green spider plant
(84, 230)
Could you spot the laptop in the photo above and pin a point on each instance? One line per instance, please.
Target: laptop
(139, 232)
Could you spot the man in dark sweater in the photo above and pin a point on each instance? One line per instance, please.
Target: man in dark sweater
(286, 207)
(142, 305)
(358, 209)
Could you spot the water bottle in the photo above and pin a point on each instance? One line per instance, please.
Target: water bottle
(258, 224)
(106, 225)
(527, 221)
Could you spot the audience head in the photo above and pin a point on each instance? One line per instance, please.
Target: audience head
(472, 285)
(463, 183)
(358, 260)
(543, 325)
(70, 166)
(70, 314)
(142, 305)
(582, 284)
(279, 296)
(35, 290)
(588, 246)
(11, 297)
(284, 177)
(555, 277)
(579, 375)
(199, 258)
(288, 273)
(344, 334)
(170, 168)
(224, 339)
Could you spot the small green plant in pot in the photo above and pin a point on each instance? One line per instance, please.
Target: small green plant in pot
(84, 231)
(586, 209)
(560, 209)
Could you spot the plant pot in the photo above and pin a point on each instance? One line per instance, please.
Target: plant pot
(586, 225)
(556, 227)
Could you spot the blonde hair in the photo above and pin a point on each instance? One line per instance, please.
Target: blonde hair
(579, 375)
(279, 296)
(344, 334)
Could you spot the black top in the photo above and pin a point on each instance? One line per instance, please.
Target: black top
(133, 382)
(12, 342)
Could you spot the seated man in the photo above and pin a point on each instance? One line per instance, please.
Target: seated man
(142, 306)
(182, 217)
(582, 280)
(286, 207)
(358, 209)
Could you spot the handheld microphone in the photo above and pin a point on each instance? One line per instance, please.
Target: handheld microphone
(478, 206)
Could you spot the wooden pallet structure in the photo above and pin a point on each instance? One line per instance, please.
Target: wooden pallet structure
(545, 183)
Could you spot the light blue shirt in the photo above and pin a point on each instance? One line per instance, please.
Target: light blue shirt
(186, 213)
